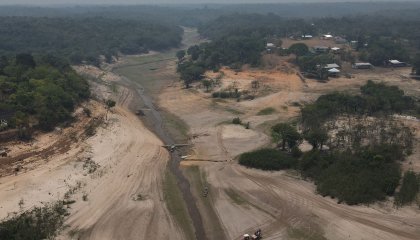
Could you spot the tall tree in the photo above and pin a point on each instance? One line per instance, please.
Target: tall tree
(299, 49)
(316, 137)
(416, 64)
(284, 133)
(180, 54)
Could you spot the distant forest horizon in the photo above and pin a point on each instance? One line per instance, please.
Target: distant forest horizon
(176, 2)
(198, 10)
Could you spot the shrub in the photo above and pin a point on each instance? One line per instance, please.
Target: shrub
(87, 112)
(38, 223)
(237, 120)
(266, 111)
(226, 94)
(267, 159)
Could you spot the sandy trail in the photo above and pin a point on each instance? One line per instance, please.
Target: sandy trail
(134, 162)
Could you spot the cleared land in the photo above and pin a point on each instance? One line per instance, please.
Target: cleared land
(280, 203)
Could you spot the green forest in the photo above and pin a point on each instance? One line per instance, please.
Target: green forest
(85, 39)
(41, 92)
(360, 162)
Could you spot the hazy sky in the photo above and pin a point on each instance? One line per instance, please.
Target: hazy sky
(59, 2)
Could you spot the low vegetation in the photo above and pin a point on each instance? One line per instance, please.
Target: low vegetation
(226, 94)
(38, 223)
(176, 204)
(410, 187)
(266, 111)
(363, 144)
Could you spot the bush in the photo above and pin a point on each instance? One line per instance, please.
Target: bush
(38, 223)
(266, 111)
(226, 94)
(87, 112)
(267, 159)
(237, 120)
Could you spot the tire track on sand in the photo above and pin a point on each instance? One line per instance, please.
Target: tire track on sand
(311, 199)
(136, 164)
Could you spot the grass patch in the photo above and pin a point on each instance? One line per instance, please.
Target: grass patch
(301, 234)
(235, 197)
(266, 111)
(176, 127)
(176, 205)
(233, 111)
(215, 105)
(113, 87)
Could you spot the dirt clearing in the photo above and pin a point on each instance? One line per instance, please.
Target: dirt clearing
(280, 203)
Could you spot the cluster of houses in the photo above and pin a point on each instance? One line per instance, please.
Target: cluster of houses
(334, 69)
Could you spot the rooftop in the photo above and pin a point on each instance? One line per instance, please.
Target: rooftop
(333, 70)
(331, 66)
(395, 61)
(320, 47)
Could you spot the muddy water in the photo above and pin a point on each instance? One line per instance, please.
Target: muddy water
(154, 121)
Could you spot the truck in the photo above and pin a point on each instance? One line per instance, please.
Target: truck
(256, 236)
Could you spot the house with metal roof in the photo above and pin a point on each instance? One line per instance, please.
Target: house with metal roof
(331, 66)
(321, 49)
(395, 63)
(362, 65)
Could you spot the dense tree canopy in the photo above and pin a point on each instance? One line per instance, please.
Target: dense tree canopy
(39, 92)
(362, 177)
(267, 159)
(381, 50)
(299, 49)
(84, 39)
